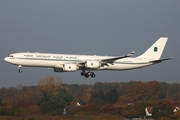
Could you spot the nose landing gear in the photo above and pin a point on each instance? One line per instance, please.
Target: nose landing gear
(20, 70)
(83, 73)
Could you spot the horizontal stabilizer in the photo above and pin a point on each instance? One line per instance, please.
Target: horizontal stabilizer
(160, 60)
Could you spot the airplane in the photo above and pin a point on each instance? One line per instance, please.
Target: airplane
(89, 63)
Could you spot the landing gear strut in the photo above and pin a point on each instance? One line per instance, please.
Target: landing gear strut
(83, 73)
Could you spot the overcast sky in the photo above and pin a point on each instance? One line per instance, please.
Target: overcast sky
(100, 27)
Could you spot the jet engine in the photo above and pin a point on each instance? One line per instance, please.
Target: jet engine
(70, 67)
(92, 64)
(66, 68)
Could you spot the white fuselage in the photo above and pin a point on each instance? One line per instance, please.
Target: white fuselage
(72, 63)
(57, 60)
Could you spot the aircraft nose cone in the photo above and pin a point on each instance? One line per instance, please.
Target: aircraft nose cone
(6, 59)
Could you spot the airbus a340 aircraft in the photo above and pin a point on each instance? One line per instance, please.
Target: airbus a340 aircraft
(89, 63)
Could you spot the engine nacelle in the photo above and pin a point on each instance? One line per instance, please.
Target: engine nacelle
(66, 68)
(58, 70)
(70, 67)
(93, 64)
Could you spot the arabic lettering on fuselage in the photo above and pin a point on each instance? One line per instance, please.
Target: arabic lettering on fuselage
(28, 55)
(74, 58)
(52, 56)
(44, 56)
(65, 57)
(58, 57)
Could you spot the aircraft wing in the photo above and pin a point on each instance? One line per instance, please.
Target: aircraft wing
(111, 60)
(160, 60)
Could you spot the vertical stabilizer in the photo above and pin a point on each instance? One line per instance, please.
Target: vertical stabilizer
(155, 51)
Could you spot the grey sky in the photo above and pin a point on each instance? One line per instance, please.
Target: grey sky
(100, 27)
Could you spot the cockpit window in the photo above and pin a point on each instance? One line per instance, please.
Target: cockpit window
(10, 55)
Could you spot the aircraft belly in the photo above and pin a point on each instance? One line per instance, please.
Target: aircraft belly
(126, 66)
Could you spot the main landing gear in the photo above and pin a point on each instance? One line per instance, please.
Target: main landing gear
(20, 70)
(83, 73)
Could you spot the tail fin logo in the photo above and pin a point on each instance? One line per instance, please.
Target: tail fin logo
(155, 49)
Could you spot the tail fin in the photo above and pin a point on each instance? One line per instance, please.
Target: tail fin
(155, 51)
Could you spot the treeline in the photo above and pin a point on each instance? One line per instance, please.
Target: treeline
(122, 99)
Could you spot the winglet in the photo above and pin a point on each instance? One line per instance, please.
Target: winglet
(130, 54)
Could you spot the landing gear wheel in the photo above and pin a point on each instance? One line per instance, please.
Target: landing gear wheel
(93, 75)
(83, 73)
(87, 75)
(20, 70)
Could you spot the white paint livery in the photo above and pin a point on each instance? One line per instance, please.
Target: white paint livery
(71, 63)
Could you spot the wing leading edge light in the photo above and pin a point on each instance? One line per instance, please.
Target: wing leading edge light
(72, 63)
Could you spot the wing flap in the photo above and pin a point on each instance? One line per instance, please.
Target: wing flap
(108, 60)
(111, 60)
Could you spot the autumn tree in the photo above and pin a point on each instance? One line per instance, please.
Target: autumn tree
(97, 97)
(32, 94)
(108, 109)
(153, 89)
(49, 85)
(138, 90)
(56, 96)
(87, 95)
(177, 114)
(90, 108)
(24, 108)
(111, 96)
(130, 112)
